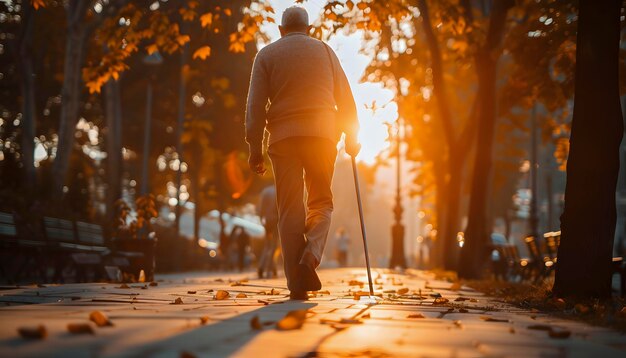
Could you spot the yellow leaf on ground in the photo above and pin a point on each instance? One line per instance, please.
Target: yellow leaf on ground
(292, 320)
(241, 295)
(255, 323)
(38, 332)
(100, 319)
(402, 291)
(178, 301)
(221, 295)
(416, 315)
(80, 328)
(202, 53)
(440, 301)
(204, 319)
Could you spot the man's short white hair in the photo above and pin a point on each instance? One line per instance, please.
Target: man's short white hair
(295, 17)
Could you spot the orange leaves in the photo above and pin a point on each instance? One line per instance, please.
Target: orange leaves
(38, 3)
(202, 53)
(206, 20)
(292, 320)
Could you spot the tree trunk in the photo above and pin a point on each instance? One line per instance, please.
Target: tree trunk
(75, 43)
(27, 74)
(475, 253)
(589, 217)
(452, 220)
(113, 144)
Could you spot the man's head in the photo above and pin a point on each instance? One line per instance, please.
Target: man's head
(295, 19)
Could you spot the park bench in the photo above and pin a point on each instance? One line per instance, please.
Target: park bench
(82, 243)
(22, 254)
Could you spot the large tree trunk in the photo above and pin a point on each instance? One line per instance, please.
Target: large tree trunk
(77, 32)
(457, 148)
(474, 255)
(588, 220)
(113, 144)
(27, 77)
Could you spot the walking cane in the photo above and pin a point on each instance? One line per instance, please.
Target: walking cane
(360, 204)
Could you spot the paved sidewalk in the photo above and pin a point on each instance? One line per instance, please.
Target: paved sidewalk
(181, 317)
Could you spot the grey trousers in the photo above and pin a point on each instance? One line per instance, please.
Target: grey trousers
(300, 162)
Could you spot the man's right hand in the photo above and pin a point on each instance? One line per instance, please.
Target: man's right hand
(256, 162)
(352, 146)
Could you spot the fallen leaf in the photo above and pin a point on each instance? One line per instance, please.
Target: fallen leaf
(38, 332)
(221, 295)
(350, 321)
(461, 299)
(292, 320)
(100, 319)
(255, 323)
(123, 286)
(236, 283)
(402, 291)
(457, 323)
(539, 327)
(80, 328)
(559, 334)
(367, 315)
(356, 283)
(440, 301)
(463, 310)
(241, 295)
(473, 300)
(152, 284)
(185, 354)
(219, 280)
(511, 330)
(178, 301)
(491, 319)
(273, 292)
(204, 319)
(415, 315)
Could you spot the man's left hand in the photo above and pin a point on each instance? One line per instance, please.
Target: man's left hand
(256, 162)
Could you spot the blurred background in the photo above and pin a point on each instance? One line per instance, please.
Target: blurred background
(122, 132)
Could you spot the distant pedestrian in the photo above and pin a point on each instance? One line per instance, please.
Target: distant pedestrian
(268, 212)
(343, 246)
(300, 94)
(241, 239)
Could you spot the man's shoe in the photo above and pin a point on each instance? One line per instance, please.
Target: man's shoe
(310, 280)
(298, 295)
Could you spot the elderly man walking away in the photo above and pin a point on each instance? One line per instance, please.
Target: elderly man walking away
(300, 94)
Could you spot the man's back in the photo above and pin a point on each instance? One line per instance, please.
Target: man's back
(296, 74)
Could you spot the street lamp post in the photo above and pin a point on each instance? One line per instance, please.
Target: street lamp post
(397, 230)
(151, 60)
